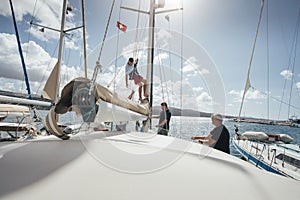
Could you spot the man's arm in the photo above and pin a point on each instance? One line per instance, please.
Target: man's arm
(209, 140)
(162, 123)
(205, 139)
(126, 80)
(198, 137)
(154, 116)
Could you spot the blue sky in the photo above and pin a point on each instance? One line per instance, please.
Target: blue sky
(217, 42)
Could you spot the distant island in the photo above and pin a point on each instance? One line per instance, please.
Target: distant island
(194, 113)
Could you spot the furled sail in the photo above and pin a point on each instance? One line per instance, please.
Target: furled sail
(49, 91)
(100, 102)
(108, 112)
(248, 85)
(76, 93)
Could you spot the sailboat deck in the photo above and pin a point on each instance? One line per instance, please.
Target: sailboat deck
(114, 165)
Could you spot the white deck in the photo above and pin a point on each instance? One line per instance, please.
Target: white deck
(131, 166)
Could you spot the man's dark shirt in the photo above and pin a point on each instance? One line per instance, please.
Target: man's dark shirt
(222, 137)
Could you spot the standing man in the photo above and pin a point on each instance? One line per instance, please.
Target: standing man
(131, 73)
(164, 119)
(219, 137)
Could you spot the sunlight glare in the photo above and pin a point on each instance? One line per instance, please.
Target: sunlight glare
(173, 3)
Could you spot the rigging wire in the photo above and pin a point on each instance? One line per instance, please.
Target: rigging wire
(294, 44)
(38, 10)
(135, 53)
(45, 72)
(181, 69)
(106, 29)
(140, 45)
(137, 45)
(98, 66)
(117, 53)
(162, 75)
(274, 98)
(164, 87)
(294, 60)
(26, 53)
(268, 64)
(170, 58)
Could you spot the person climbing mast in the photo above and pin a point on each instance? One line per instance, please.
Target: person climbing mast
(131, 73)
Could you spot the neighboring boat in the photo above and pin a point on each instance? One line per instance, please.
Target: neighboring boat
(126, 165)
(295, 121)
(273, 153)
(15, 122)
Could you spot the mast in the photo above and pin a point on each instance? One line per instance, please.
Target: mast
(150, 57)
(51, 88)
(20, 51)
(84, 38)
(60, 50)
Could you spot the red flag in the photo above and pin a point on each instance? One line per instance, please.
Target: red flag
(121, 26)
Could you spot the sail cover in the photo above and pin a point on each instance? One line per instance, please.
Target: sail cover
(101, 102)
(77, 93)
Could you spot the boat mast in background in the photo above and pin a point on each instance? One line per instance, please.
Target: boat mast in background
(51, 89)
(84, 38)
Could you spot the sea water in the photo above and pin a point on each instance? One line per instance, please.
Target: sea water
(187, 127)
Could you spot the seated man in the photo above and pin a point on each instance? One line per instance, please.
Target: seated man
(218, 138)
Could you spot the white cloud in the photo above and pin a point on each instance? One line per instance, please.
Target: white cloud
(163, 38)
(192, 68)
(128, 50)
(36, 59)
(205, 102)
(45, 13)
(298, 85)
(160, 57)
(255, 95)
(250, 95)
(204, 97)
(287, 74)
(38, 65)
(198, 89)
